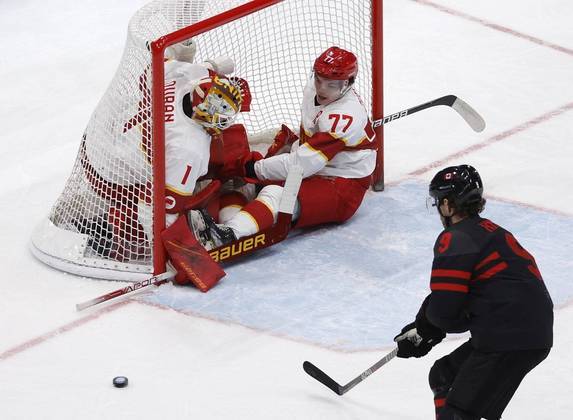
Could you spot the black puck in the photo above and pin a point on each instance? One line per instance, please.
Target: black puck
(120, 381)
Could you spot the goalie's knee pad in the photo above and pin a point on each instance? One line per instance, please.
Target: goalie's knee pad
(441, 377)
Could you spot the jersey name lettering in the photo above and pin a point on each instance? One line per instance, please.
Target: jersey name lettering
(169, 100)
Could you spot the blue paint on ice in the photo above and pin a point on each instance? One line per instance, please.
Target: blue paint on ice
(353, 286)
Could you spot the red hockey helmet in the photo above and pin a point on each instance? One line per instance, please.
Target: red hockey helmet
(336, 64)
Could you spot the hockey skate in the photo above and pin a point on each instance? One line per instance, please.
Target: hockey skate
(208, 233)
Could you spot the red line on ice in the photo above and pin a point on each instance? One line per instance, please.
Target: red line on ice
(495, 26)
(63, 329)
(488, 142)
(497, 138)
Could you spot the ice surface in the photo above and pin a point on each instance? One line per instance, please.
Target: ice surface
(334, 295)
(348, 286)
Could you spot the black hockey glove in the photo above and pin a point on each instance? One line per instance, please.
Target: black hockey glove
(417, 339)
(250, 169)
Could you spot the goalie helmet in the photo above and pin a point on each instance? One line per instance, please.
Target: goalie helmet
(461, 184)
(216, 102)
(336, 64)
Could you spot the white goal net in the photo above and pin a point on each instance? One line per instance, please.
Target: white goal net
(96, 228)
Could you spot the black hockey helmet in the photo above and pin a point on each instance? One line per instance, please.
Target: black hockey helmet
(460, 184)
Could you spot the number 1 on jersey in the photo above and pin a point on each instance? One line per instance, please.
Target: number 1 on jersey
(186, 176)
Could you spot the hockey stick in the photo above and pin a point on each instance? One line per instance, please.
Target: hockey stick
(153, 281)
(323, 378)
(470, 115)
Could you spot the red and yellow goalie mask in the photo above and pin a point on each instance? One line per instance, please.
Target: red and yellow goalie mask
(216, 102)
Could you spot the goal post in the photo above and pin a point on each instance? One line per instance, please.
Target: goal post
(107, 221)
(377, 98)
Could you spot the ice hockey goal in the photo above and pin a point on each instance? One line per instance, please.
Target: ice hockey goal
(96, 227)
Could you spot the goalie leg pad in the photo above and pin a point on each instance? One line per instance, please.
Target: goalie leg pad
(192, 262)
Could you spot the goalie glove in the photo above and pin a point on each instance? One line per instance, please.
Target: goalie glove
(222, 65)
(184, 51)
(282, 142)
(242, 167)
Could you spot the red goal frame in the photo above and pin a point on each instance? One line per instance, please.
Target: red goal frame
(157, 62)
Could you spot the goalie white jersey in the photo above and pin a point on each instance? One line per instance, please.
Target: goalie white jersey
(335, 140)
(187, 143)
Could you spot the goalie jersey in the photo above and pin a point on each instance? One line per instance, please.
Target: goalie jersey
(336, 140)
(187, 143)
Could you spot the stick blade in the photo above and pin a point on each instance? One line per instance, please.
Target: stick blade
(475, 121)
(322, 377)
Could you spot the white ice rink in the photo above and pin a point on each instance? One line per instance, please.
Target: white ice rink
(335, 296)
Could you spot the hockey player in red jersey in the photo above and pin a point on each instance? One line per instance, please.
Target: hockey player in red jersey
(336, 149)
(482, 281)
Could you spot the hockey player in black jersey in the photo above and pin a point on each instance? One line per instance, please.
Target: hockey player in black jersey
(485, 282)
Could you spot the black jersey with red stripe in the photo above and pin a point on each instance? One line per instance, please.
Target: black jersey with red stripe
(484, 281)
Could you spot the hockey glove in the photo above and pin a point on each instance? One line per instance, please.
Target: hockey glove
(282, 142)
(416, 339)
(184, 51)
(239, 167)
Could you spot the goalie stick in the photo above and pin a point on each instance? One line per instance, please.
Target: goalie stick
(470, 115)
(323, 378)
(153, 281)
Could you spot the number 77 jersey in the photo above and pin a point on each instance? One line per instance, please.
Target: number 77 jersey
(338, 135)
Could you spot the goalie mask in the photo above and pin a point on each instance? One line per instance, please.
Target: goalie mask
(216, 102)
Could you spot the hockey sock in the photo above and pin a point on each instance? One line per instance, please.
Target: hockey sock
(253, 218)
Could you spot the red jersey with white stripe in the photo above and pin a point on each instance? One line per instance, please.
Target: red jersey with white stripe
(484, 281)
(335, 140)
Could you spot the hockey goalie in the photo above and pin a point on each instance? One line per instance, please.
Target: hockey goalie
(201, 103)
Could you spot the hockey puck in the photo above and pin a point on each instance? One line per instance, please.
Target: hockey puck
(120, 381)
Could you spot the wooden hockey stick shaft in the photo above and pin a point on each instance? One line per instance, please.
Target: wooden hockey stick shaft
(153, 281)
(323, 378)
(470, 115)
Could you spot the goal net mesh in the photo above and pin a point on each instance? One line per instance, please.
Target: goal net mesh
(102, 204)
